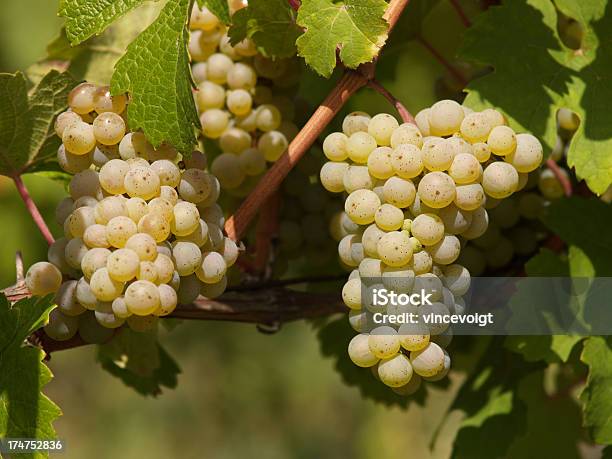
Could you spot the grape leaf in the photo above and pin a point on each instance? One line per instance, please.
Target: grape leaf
(94, 60)
(355, 26)
(535, 74)
(85, 18)
(270, 24)
(139, 361)
(554, 348)
(155, 71)
(553, 423)
(597, 395)
(25, 412)
(494, 413)
(27, 137)
(219, 8)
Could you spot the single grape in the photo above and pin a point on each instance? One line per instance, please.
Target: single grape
(361, 206)
(407, 133)
(272, 144)
(73, 163)
(359, 351)
(109, 128)
(61, 327)
(465, 168)
(81, 98)
(93, 260)
(144, 246)
(359, 146)
(214, 122)
(105, 102)
(428, 228)
(395, 248)
(502, 140)
(437, 189)
(142, 182)
(384, 342)
(142, 298)
(119, 230)
(104, 287)
(355, 122)
(500, 180)
(79, 138)
(380, 164)
(332, 176)
(381, 127)
(43, 278)
(395, 371)
(445, 117)
(389, 218)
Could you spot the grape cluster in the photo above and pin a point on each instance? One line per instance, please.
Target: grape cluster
(244, 102)
(415, 194)
(142, 227)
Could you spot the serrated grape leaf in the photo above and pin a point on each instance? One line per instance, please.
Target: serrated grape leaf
(139, 361)
(27, 137)
(494, 415)
(553, 348)
(25, 412)
(85, 18)
(219, 8)
(270, 24)
(597, 394)
(94, 60)
(333, 340)
(535, 74)
(155, 71)
(356, 27)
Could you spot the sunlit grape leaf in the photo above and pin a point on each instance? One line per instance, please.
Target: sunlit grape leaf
(535, 74)
(139, 361)
(85, 18)
(94, 60)
(597, 395)
(27, 137)
(270, 24)
(219, 8)
(356, 27)
(494, 414)
(155, 71)
(25, 412)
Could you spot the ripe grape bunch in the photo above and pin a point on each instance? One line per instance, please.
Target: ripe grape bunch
(244, 102)
(142, 229)
(415, 194)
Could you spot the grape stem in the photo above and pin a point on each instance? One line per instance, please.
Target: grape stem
(34, 212)
(563, 179)
(351, 81)
(262, 306)
(459, 9)
(401, 109)
(442, 60)
(295, 4)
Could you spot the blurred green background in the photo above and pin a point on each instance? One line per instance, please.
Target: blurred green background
(241, 393)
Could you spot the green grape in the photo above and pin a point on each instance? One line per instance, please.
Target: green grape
(359, 351)
(437, 154)
(212, 268)
(455, 220)
(528, 153)
(85, 183)
(81, 98)
(427, 361)
(437, 189)
(227, 168)
(500, 180)
(187, 257)
(359, 146)
(142, 182)
(93, 260)
(399, 192)
(61, 327)
(239, 102)
(214, 122)
(446, 251)
(73, 163)
(361, 206)
(379, 163)
(144, 246)
(142, 298)
(119, 230)
(445, 117)
(389, 218)
(357, 178)
(74, 252)
(465, 169)
(109, 128)
(395, 371)
(335, 146)
(502, 140)
(122, 265)
(384, 342)
(332, 176)
(395, 248)
(272, 144)
(355, 122)
(427, 228)
(480, 222)
(106, 317)
(381, 127)
(407, 161)
(406, 133)
(410, 388)
(469, 197)
(43, 278)
(104, 287)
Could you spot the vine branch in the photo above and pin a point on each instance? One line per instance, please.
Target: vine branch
(34, 212)
(350, 82)
(459, 9)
